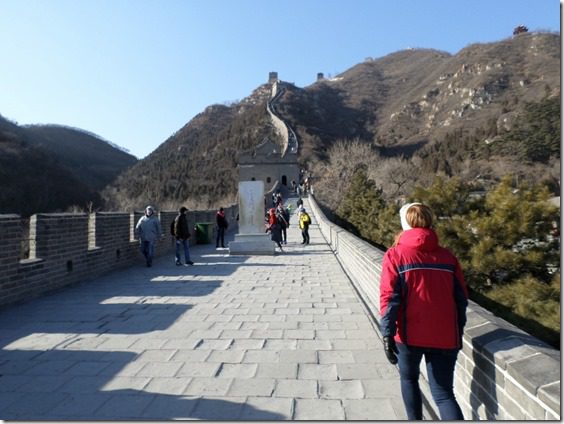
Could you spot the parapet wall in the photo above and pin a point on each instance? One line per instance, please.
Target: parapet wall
(69, 248)
(280, 126)
(502, 373)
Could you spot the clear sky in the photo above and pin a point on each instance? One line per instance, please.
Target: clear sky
(136, 71)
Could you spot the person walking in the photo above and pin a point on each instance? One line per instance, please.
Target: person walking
(222, 225)
(305, 220)
(423, 300)
(283, 218)
(274, 227)
(148, 229)
(180, 230)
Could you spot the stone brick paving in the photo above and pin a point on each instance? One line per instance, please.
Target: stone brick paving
(281, 337)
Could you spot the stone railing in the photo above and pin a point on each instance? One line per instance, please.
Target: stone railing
(502, 372)
(69, 248)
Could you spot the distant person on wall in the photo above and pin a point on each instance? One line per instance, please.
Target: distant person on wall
(274, 227)
(283, 218)
(148, 229)
(222, 225)
(305, 221)
(423, 299)
(180, 230)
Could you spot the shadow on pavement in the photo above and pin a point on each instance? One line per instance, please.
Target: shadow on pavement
(97, 385)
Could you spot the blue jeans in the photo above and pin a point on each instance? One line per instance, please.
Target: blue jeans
(148, 250)
(185, 245)
(440, 372)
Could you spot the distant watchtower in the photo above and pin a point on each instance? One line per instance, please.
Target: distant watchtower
(520, 30)
(320, 76)
(272, 77)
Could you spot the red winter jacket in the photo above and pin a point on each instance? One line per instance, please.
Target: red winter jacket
(423, 296)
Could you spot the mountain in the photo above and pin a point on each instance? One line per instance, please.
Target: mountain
(52, 168)
(198, 164)
(94, 161)
(412, 97)
(443, 109)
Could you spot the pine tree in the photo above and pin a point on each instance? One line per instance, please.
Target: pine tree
(361, 205)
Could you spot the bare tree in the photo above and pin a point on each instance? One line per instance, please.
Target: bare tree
(334, 176)
(394, 176)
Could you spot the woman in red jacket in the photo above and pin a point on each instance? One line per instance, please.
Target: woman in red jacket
(275, 229)
(423, 301)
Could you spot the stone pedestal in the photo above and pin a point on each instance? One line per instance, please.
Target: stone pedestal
(251, 239)
(251, 244)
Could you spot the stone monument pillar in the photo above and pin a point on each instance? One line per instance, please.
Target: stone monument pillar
(251, 239)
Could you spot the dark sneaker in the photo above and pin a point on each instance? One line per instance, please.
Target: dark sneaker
(189, 263)
(178, 263)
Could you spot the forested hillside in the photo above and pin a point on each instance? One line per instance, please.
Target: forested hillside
(53, 168)
(197, 166)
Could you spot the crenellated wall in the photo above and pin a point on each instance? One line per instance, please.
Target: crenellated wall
(68, 248)
(502, 373)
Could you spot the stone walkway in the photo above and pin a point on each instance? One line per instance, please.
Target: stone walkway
(230, 338)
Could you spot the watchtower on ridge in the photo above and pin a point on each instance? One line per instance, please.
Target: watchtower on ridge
(266, 163)
(272, 77)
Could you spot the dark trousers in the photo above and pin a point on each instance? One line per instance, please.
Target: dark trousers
(440, 372)
(305, 235)
(220, 237)
(284, 235)
(148, 250)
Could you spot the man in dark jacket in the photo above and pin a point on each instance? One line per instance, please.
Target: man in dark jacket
(221, 227)
(180, 230)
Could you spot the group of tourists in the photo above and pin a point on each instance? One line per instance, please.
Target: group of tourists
(149, 231)
(423, 296)
(277, 221)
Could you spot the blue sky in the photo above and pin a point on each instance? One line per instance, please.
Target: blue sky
(135, 71)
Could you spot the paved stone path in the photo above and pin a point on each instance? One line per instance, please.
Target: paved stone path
(231, 338)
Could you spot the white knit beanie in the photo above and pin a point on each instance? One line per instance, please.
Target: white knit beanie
(403, 212)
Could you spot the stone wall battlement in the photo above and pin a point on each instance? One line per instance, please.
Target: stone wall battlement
(61, 249)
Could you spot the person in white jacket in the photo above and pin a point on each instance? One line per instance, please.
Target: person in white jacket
(148, 229)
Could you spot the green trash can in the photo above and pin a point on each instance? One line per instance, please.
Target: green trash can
(204, 232)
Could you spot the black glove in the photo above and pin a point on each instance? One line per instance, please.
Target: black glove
(390, 349)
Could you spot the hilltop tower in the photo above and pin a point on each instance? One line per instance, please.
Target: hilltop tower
(320, 76)
(272, 77)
